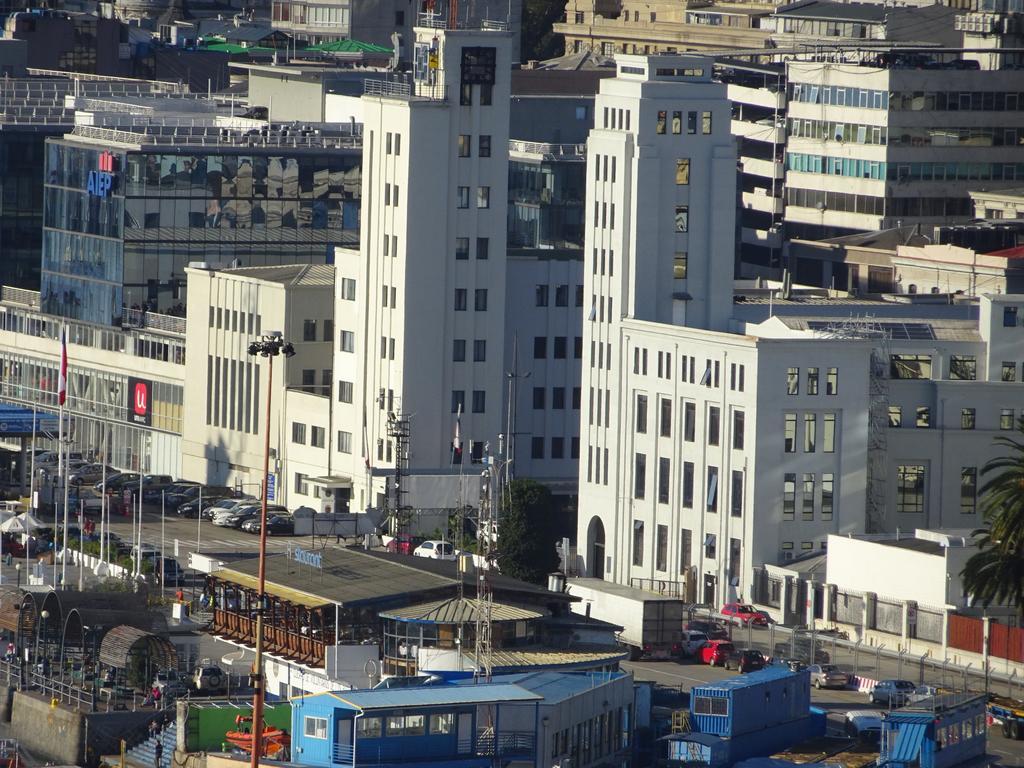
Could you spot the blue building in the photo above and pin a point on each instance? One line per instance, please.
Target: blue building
(534, 719)
(939, 732)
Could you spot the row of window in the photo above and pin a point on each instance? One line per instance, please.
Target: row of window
(459, 350)
(317, 435)
(483, 197)
(483, 247)
(540, 399)
(968, 417)
(603, 356)
(479, 299)
(810, 431)
(309, 383)
(813, 381)
(688, 369)
(459, 401)
(845, 202)
(685, 555)
(599, 263)
(559, 347)
(686, 483)
(557, 448)
(597, 307)
(309, 328)
(693, 119)
(912, 101)
(832, 130)
(713, 421)
(543, 293)
(238, 321)
(811, 497)
(835, 166)
(616, 119)
(465, 144)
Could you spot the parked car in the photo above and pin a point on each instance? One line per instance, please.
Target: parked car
(800, 650)
(277, 525)
(118, 481)
(828, 676)
(174, 576)
(748, 660)
(191, 510)
(713, 629)
(194, 491)
(864, 724)
(744, 615)
(177, 487)
(923, 692)
(716, 652)
(891, 693)
(225, 505)
(89, 473)
(691, 641)
(165, 677)
(435, 550)
(403, 544)
(209, 679)
(236, 517)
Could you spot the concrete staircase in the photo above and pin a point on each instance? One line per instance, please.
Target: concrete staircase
(144, 753)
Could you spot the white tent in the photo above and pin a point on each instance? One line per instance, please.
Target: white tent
(26, 522)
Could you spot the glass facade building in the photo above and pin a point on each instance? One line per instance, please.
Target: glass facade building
(21, 202)
(545, 203)
(167, 206)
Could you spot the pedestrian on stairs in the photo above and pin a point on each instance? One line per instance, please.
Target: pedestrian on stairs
(158, 753)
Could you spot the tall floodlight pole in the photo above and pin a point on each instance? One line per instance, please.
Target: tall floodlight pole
(269, 346)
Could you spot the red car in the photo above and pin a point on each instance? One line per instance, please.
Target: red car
(404, 544)
(715, 652)
(743, 615)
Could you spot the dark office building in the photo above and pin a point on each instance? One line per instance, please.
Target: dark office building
(123, 220)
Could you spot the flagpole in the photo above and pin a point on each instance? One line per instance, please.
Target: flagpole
(60, 474)
(61, 397)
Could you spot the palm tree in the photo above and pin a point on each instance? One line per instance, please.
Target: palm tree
(995, 574)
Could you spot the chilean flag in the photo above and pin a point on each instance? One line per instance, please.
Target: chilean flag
(62, 380)
(457, 439)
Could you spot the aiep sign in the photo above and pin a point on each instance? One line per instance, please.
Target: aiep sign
(102, 181)
(140, 409)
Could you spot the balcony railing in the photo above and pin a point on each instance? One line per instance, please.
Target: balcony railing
(405, 89)
(20, 296)
(508, 743)
(305, 648)
(549, 151)
(137, 318)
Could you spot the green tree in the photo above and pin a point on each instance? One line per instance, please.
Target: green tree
(995, 574)
(539, 40)
(527, 532)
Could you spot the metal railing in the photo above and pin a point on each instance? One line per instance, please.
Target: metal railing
(138, 318)
(551, 151)
(510, 742)
(163, 86)
(343, 754)
(20, 296)
(110, 135)
(660, 586)
(65, 693)
(405, 89)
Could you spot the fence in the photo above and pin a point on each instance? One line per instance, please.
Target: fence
(849, 608)
(929, 625)
(889, 617)
(966, 633)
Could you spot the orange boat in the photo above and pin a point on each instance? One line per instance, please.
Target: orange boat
(275, 741)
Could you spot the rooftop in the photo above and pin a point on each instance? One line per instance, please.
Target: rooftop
(774, 672)
(870, 13)
(458, 610)
(554, 686)
(431, 696)
(507, 658)
(291, 275)
(896, 329)
(915, 545)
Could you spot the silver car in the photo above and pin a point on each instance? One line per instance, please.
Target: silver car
(828, 676)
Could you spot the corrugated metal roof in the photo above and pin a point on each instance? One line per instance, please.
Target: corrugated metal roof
(750, 680)
(908, 743)
(294, 596)
(289, 274)
(459, 611)
(549, 657)
(556, 686)
(434, 695)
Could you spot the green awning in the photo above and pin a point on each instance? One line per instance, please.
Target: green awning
(350, 46)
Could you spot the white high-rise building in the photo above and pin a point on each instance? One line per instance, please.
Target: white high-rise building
(420, 309)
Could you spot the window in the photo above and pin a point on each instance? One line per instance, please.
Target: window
(712, 500)
(301, 483)
(458, 401)
(895, 416)
(792, 381)
(537, 448)
(639, 475)
(738, 419)
(314, 727)
(483, 197)
(812, 381)
(967, 419)
(344, 441)
(963, 367)
(483, 247)
(714, 426)
(827, 495)
(479, 401)
(539, 397)
(1009, 372)
(660, 556)
(541, 296)
(789, 432)
(688, 484)
(484, 146)
(910, 488)
(480, 300)
(679, 265)
(479, 350)
(1006, 418)
(641, 414)
(705, 123)
(832, 382)
(298, 433)
(808, 497)
(810, 432)
(345, 391)
(924, 417)
(677, 123)
(1009, 317)
(579, 295)
(558, 398)
(462, 197)
(638, 542)
(659, 126)
(910, 366)
(682, 171)
(969, 490)
(562, 295)
(348, 289)
(540, 347)
(458, 350)
(441, 723)
(828, 443)
(309, 330)
(576, 398)
(664, 479)
(318, 437)
(369, 727)
(665, 421)
(736, 494)
(348, 341)
(691, 123)
(465, 144)
(689, 422)
(788, 496)
(461, 248)
(460, 299)
(560, 347)
(711, 546)
(682, 218)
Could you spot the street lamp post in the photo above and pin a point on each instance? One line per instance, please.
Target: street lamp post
(269, 346)
(44, 615)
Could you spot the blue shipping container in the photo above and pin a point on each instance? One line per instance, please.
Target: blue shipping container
(717, 752)
(752, 702)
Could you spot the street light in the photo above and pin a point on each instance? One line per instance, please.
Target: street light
(269, 346)
(44, 615)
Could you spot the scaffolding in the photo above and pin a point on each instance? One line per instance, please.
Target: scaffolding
(866, 327)
(397, 512)
(485, 597)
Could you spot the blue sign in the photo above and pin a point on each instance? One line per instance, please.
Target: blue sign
(100, 183)
(306, 558)
(17, 422)
(271, 487)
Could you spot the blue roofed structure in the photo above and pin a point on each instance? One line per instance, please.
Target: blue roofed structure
(522, 718)
(938, 732)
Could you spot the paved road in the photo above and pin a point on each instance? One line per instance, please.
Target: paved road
(686, 674)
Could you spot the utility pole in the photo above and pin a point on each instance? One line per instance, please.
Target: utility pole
(484, 595)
